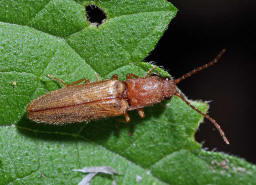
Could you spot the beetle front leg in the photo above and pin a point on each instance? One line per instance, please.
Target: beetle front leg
(130, 76)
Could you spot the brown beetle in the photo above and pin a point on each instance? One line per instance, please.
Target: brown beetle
(90, 101)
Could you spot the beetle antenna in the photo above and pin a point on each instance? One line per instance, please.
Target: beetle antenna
(205, 116)
(215, 60)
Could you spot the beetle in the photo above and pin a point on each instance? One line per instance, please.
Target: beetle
(94, 100)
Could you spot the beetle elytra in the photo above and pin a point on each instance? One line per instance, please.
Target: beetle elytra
(107, 98)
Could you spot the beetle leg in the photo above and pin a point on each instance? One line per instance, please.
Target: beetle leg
(130, 76)
(114, 77)
(86, 81)
(57, 80)
(141, 113)
(66, 85)
(126, 116)
(148, 73)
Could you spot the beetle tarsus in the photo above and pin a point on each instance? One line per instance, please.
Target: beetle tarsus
(57, 80)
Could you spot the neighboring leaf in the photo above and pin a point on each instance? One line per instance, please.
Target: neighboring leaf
(54, 37)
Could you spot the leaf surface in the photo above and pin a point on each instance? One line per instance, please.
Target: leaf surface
(54, 37)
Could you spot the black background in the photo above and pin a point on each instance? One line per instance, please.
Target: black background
(195, 36)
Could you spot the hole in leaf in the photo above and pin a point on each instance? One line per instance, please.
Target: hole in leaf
(95, 15)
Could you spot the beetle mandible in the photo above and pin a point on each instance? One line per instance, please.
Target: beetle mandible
(107, 98)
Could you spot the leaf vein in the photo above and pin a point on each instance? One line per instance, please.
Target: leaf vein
(18, 72)
(31, 20)
(129, 146)
(138, 13)
(18, 178)
(86, 139)
(84, 60)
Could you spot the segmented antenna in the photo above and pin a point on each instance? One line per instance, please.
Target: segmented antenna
(206, 116)
(215, 60)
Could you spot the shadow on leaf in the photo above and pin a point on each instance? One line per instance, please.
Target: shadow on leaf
(91, 131)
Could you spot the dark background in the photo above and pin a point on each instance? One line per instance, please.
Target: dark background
(199, 31)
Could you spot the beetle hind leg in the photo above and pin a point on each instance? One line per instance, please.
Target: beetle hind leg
(86, 81)
(57, 80)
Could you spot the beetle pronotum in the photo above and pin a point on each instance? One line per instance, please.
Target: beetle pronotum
(100, 99)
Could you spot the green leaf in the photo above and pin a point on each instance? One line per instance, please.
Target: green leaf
(54, 37)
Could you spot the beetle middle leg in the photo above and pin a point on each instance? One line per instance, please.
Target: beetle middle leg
(127, 118)
(141, 113)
